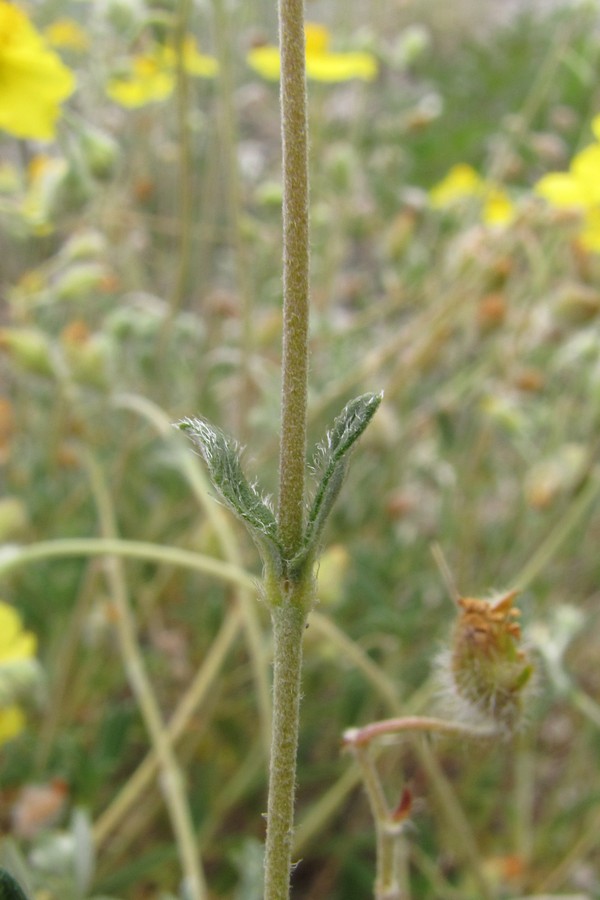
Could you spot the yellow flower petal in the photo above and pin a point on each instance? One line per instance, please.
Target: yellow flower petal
(153, 74)
(265, 61)
(33, 80)
(320, 64)
(15, 643)
(562, 190)
(498, 208)
(197, 63)
(590, 233)
(67, 33)
(10, 625)
(12, 723)
(317, 38)
(462, 181)
(341, 66)
(148, 83)
(585, 167)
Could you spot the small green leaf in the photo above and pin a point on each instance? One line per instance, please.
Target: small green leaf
(331, 461)
(222, 457)
(9, 888)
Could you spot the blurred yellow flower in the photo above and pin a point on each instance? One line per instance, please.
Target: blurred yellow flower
(12, 723)
(67, 33)
(15, 645)
(460, 182)
(321, 64)
(33, 80)
(578, 189)
(498, 208)
(152, 76)
(463, 182)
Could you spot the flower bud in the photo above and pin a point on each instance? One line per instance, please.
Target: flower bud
(13, 518)
(87, 244)
(79, 280)
(29, 348)
(489, 669)
(100, 152)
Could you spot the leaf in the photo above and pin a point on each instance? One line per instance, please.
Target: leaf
(9, 888)
(331, 460)
(222, 457)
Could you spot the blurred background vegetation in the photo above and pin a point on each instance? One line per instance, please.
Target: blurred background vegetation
(140, 282)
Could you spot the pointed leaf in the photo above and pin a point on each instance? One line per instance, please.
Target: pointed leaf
(222, 457)
(332, 458)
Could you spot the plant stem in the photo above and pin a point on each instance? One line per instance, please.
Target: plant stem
(204, 682)
(358, 740)
(184, 174)
(356, 737)
(18, 557)
(224, 27)
(171, 778)
(387, 886)
(294, 128)
(288, 628)
(290, 600)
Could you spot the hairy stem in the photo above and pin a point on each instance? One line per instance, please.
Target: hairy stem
(387, 885)
(294, 126)
(290, 600)
(288, 627)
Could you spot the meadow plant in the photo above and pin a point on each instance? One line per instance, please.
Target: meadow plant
(289, 541)
(130, 270)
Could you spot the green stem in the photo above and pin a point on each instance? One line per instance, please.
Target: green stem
(224, 28)
(360, 738)
(294, 126)
(290, 600)
(387, 886)
(184, 174)
(561, 531)
(201, 687)
(171, 777)
(15, 558)
(219, 522)
(288, 627)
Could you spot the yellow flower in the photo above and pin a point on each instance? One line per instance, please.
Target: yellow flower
(590, 233)
(321, 64)
(67, 33)
(462, 183)
(14, 642)
(12, 723)
(578, 189)
(15, 645)
(152, 76)
(194, 62)
(498, 208)
(33, 80)
(148, 82)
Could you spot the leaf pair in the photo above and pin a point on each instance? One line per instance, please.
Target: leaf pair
(223, 459)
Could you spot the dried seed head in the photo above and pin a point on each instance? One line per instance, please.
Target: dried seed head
(488, 666)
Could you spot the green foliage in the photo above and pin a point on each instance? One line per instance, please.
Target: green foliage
(486, 342)
(222, 457)
(9, 888)
(331, 461)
